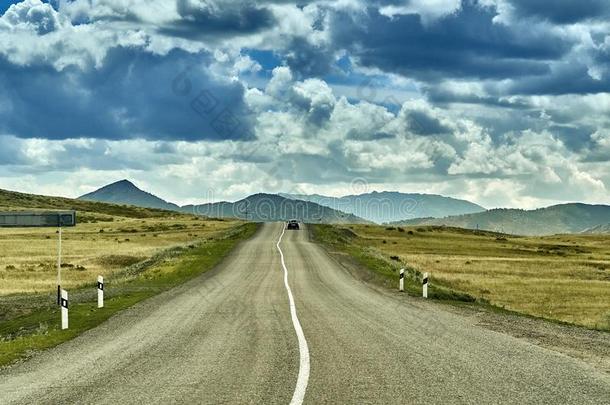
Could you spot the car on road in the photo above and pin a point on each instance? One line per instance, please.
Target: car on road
(293, 224)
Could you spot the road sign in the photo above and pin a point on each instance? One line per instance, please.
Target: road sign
(44, 219)
(37, 219)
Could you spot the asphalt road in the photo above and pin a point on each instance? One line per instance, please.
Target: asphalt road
(230, 336)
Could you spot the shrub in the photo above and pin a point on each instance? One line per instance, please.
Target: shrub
(119, 260)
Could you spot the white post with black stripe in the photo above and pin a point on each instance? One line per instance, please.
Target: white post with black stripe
(401, 287)
(100, 292)
(64, 309)
(425, 285)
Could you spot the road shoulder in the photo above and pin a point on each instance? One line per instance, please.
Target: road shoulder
(589, 346)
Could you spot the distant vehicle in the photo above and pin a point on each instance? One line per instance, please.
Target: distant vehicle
(293, 224)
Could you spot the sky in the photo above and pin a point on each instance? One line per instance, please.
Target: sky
(505, 103)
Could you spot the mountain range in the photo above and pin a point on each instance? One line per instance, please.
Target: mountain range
(389, 206)
(257, 207)
(556, 219)
(272, 207)
(384, 207)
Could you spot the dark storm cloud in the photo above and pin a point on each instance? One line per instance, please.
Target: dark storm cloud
(421, 123)
(217, 18)
(566, 78)
(134, 94)
(563, 11)
(366, 135)
(441, 96)
(466, 44)
(316, 113)
(308, 60)
(574, 137)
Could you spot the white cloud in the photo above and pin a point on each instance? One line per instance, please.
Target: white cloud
(32, 16)
(429, 10)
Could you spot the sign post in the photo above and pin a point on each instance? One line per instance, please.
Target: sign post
(59, 268)
(44, 219)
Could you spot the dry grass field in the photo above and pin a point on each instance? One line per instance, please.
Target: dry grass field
(564, 277)
(106, 244)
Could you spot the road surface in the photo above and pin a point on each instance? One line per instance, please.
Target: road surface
(229, 337)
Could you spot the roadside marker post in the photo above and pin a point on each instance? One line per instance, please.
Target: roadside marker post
(64, 309)
(425, 285)
(402, 280)
(100, 292)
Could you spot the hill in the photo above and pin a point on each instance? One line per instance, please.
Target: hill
(557, 219)
(599, 229)
(382, 207)
(11, 200)
(273, 207)
(125, 192)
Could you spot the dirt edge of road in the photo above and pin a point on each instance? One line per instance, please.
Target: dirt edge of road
(590, 346)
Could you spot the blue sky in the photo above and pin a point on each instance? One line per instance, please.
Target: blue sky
(502, 102)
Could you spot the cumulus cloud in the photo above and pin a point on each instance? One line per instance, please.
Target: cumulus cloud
(32, 15)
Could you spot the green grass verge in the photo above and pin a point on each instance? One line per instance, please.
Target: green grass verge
(40, 329)
(385, 270)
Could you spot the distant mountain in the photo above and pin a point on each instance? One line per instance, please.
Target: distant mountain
(393, 206)
(599, 229)
(564, 218)
(125, 192)
(273, 207)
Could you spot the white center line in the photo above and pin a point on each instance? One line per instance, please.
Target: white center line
(303, 378)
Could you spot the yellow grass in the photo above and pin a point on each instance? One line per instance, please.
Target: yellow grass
(565, 277)
(28, 257)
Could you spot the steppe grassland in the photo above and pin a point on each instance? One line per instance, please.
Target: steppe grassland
(563, 277)
(28, 256)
